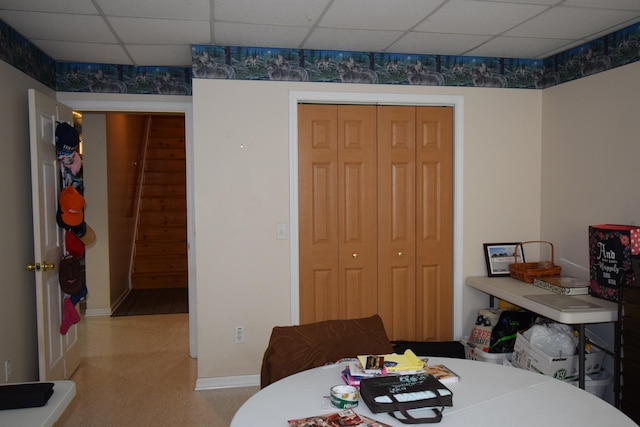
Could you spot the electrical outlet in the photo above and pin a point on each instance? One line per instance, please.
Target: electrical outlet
(7, 370)
(239, 335)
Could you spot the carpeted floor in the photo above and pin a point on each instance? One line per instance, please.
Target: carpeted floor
(141, 302)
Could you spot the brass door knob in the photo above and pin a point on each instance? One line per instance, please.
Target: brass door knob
(400, 254)
(354, 256)
(44, 266)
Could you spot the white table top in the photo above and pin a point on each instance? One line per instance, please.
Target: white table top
(487, 395)
(514, 291)
(45, 416)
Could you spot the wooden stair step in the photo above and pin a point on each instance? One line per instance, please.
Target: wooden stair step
(162, 203)
(161, 248)
(165, 154)
(165, 178)
(164, 217)
(162, 142)
(164, 166)
(163, 190)
(165, 130)
(166, 233)
(157, 264)
(157, 281)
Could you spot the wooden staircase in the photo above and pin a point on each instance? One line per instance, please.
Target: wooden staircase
(160, 259)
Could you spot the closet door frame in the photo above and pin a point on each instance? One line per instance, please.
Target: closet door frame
(455, 101)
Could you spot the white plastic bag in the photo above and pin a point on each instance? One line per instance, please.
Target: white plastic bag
(555, 339)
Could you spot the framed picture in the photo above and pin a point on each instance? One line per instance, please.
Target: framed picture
(498, 256)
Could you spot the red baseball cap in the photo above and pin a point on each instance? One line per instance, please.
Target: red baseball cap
(73, 244)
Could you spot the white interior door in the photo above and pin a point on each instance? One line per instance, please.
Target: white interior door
(58, 355)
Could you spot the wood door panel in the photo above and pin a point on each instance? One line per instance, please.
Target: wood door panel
(434, 243)
(396, 220)
(318, 211)
(357, 201)
(430, 310)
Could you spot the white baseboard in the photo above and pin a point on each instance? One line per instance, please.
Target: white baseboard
(227, 382)
(97, 312)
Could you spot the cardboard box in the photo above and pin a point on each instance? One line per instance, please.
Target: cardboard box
(528, 357)
(614, 251)
(473, 353)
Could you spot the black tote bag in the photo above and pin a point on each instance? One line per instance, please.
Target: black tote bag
(393, 394)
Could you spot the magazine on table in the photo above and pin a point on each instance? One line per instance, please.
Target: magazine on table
(565, 285)
(344, 418)
(442, 373)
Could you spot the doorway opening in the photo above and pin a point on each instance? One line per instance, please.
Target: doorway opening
(88, 109)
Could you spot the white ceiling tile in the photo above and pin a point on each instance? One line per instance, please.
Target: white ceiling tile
(89, 52)
(437, 44)
(182, 9)
(58, 6)
(570, 23)
(276, 12)
(478, 17)
(161, 31)
(258, 35)
(359, 40)
(605, 4)
(374, 14)
(544, 2)
(57, 26)
(161, 55)
(517, 47)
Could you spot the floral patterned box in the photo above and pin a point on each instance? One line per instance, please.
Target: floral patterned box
(613, 253)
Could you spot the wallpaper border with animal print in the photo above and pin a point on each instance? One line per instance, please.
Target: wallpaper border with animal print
(332, 66)
(256, 63)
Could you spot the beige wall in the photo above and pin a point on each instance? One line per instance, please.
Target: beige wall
(241, 161)
(124, 136)
(590, 154)
(590, 172)
(94, 169)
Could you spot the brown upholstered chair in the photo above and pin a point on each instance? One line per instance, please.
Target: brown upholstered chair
(293, 349)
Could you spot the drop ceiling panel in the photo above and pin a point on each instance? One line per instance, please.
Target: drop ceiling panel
(57, 6)
(359, 40)
(58, 26)
(180, 10)
(604, 4)
(161, 55)
(230, 34)
(160, 31)
(89, 52)
(478, 17)
(437, 44)
(517, 47)
(273, 12)
(374, 14)
(572, 23)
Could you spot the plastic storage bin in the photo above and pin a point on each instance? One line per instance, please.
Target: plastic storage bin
(473, 353)
(596, 384)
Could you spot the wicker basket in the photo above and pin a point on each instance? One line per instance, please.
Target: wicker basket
(527, 271)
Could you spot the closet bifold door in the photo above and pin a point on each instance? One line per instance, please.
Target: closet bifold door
(415, 222)
(397, 220)
(337, 214)
(434, 223)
